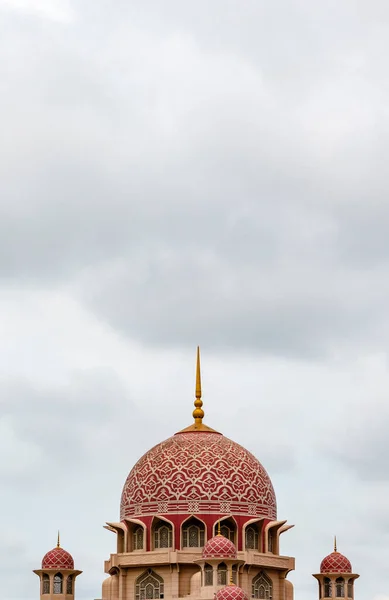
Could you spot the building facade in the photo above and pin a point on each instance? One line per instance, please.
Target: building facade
(198, 520)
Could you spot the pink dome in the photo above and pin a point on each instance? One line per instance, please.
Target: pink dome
(57, 558)
(231, 592)
(219, 547)
(335, 563)
(198, 472)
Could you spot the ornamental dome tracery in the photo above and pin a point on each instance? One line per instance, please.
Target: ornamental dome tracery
(335, 563)
(57, 558)
(231, 592)
(219, 547)
(198, 471)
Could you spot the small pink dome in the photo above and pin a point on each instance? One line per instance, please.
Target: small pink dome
(335, 563)
(57, 558)
(231, 592)
(219, 547)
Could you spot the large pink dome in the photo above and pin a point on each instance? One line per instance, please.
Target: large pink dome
(335, 563)
(198, 472)
(57, 558)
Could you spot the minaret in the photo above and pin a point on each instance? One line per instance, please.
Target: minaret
(57, 575)
(336, 579)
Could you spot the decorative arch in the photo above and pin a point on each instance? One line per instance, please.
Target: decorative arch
(262, 587)
(193, 533)
(222, 574)
(208, 574)
(327, 584)
(162, 534)
(138, 534)
(228, 528)
(350, 588)
(45, 584)
(58, 583)
(339, 587)
(149, 586)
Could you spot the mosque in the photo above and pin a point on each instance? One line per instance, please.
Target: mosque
(198, 520)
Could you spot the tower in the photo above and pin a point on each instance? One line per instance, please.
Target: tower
(57, 575)
(336, 579)
(198, 510)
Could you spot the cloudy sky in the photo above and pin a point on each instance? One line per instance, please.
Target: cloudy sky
(180, 173)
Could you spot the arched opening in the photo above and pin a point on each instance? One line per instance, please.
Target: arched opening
(350, 588)
(208, 574)
(270, 541)
(235, 574)
(252, 537)
(339, 587)
(193, 533)
(163, 535)
(45, 584)
(69, 584)
(228, 529)
(149, 586)
(327, 587)
(262, 587)
(137, 537)
(222, 574)
(58, 584)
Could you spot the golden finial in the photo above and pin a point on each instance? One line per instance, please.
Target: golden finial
(58, 544)
(335, 548)
(198, 413)
(232, 578)
(219, 531)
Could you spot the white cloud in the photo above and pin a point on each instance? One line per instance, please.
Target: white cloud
(55, 10)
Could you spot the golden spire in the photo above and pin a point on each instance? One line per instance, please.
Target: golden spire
(58, 544)
(219, 531)
(335, 548)
(198, 413)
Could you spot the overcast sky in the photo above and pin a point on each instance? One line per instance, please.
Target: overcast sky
(175, 173)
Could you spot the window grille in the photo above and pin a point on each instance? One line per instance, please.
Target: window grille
(327, 588)
(149, 586)
(350, 588)
(339, 587)
(58, 583)
(45, 584)
(138, 538)
(251, 538)
(69, 584)
(222, 574)
(193, 534)
(208, 575)
(227, 532)
(163, 536)
(262, 587)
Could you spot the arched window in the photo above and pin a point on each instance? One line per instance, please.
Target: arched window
(270, 542)
(327, 587)
(222, 574)
(350, 588)
(149, 586)
(208, 575)
(262, 587)
(251, 537)
(45, 584)
(339, 587)
(163, 535)
(227, 528)
(193, 533)
(58, 583)
(137, 537)
(69, 584)
(235, 574)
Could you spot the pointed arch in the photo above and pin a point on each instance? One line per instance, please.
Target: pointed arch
(162, 533)
(45, 584)
(193, 533)
(350, 588)
(222, 574)
(228, 528)
(327, 587)
(69, 584)
(58, 583)
(149, 586)
(262, 587)
(339, 587)
(208, 574)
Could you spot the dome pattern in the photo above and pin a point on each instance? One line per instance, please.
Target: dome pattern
(57, 558)
(198, 472)
(231, 592)
(219, 547)
(335, 563)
